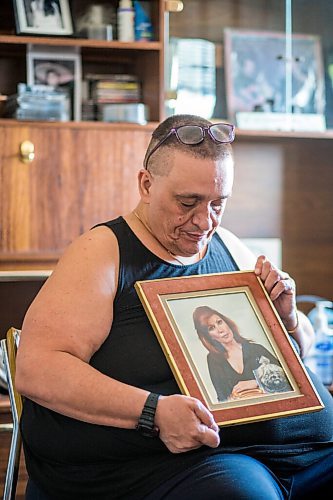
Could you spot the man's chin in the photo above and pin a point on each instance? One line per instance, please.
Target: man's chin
(190, 250)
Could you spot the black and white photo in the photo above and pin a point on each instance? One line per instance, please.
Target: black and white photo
(60, 70)
(43, 17)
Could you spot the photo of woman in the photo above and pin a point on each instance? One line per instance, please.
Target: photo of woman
(238, 367)
(59, 70)
(57, 74)
(227, 346)
(54, 73)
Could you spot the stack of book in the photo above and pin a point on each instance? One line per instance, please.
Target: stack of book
(114, 95)
(118, 88)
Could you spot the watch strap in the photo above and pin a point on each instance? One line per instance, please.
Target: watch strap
(146, 424)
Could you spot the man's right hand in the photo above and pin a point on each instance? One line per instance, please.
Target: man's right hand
(185, 424)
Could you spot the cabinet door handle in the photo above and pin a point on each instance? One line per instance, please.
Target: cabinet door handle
(27, 151)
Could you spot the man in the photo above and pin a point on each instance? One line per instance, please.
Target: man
(103, 416)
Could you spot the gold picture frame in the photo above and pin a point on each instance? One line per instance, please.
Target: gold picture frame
(170, 304)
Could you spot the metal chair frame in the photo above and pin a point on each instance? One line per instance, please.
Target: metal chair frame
(9, 347)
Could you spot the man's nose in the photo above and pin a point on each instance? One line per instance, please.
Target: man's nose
(202, 218)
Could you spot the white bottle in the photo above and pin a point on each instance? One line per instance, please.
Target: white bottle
(323, 345)
(125, 18)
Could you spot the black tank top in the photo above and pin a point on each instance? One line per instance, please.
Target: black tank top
(131, 353)
(71, 459)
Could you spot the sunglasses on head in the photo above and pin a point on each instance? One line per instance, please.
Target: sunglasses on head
(221, 133)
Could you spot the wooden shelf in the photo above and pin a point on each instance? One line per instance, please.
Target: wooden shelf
(78, 42)
(240, 133)
(150, 126)
(279, 134)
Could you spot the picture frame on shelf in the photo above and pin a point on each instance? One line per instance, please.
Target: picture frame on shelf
(60, 69)
(43, 17)
(261, 78)
(191, 315)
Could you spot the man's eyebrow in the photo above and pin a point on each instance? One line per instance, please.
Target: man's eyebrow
(188, 195)
(200, 197)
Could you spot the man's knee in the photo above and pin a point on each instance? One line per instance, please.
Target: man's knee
(227, 476)
(243, 477)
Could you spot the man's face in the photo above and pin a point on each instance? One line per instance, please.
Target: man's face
(186, 206)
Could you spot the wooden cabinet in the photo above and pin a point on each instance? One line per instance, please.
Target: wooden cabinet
(82, 174)
(143, 59)
(81, 170)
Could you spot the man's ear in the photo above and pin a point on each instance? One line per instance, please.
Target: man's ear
(144, 184)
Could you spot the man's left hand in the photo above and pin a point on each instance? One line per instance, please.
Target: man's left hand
(281, 290)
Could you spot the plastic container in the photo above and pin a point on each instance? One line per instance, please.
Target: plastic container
(142, 22)
(125, 21)
(323, 347)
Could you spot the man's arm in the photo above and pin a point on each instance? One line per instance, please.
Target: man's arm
(304, 334)
(66, 324)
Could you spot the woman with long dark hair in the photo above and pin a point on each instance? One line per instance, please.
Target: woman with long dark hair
(231, 358)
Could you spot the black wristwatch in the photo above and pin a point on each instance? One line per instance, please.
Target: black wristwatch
(146, 424)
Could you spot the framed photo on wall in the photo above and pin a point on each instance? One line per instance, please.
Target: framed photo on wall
(256, 66)
(197, 319)
(43, 17)
(61, 70)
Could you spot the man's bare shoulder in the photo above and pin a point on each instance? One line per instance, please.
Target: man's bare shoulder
(242, 255)
(92, 257)
(98, 244)
(79, 293)
(97, 236)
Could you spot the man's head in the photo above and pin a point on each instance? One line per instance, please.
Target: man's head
(192, 134)
(184, 187)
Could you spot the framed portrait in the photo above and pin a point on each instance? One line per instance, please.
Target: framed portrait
(43, 17)
(60, 70)
(226, 346)
(261, 77)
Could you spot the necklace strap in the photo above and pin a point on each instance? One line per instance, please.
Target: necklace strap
(172, 255)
